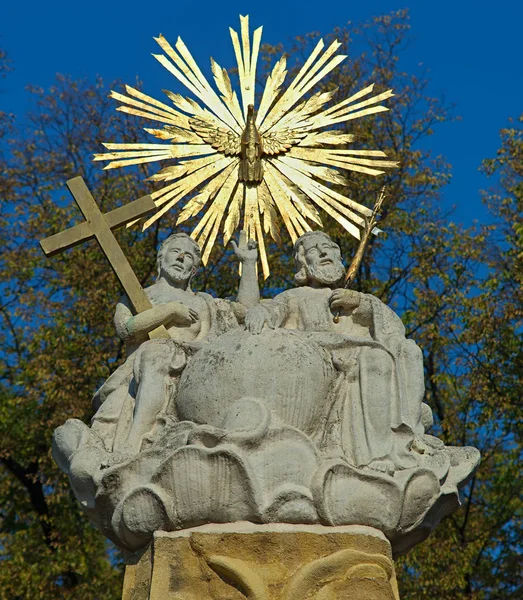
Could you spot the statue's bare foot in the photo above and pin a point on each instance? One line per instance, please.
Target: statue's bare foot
(421, 447)
(382, 466)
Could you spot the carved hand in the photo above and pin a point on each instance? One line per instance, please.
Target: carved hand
(192, 347)
(245, 250)
(256, 318)
(344, 299)
(179, 314)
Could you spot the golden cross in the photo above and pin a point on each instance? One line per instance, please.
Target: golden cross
(98, 225)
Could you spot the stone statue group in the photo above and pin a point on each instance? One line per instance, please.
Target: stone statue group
(262, 410)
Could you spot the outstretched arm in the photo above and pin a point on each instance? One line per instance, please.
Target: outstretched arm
(247, 253)
(272, 313)
(129, 326)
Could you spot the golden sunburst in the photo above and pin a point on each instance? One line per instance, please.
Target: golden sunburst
(255, 164)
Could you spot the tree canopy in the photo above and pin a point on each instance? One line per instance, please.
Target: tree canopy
(458, 290)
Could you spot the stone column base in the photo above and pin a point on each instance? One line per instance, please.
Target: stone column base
(263, 562)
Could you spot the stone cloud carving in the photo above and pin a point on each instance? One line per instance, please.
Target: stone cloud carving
(264, 411)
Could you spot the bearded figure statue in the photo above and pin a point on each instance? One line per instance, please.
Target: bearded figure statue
(304, 408)
(371, 382)
(330, 409)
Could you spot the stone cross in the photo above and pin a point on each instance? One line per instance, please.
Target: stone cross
(100, 226)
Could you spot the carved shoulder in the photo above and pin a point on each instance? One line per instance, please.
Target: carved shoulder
(386, 321)
(288, 295)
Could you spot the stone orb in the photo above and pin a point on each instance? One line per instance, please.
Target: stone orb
(290, 374)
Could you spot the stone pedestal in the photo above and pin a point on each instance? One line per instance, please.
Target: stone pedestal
(263, 562)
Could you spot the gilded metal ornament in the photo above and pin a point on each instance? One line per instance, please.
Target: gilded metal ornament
(370, 228)
(247, 163)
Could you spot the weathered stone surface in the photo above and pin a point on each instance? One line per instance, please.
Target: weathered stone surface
(264, 412)
(263, 562)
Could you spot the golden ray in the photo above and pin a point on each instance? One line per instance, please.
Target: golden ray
(250, 207)
(294, 92)
(325, 173)
(206, 139)
(165, 62)
(261, 244)
(233, 216)
(324, 156)
(294, 221)
(357, 107)
(169, 173)
(321, 138)
(300, 116)
(184, 168)
(217, 209)
(349, 101)
(207, 229)
(136, 161)
(197, 203)
(270, 221)
(305, 82)
(299, 200)
(322, 121)
(152, 101)
(223, 83)
(209, 97)
(310, 187)
(131, 154)
(175, 134)
(151, 105)
(194, 206)
(278, 198)
(190, 75)
(348, 152)
(146, 115)
(246, 60)
(192, 180)
(132, 146)
(307, 64)
(142, 105)
(272, 88)
(191, 183)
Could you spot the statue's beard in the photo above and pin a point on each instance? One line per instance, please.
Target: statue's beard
(179, 276)
(328, 274)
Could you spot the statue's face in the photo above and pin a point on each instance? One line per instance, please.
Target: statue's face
(179, 260)
(322, 260)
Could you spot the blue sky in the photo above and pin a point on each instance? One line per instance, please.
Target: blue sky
(473, 51)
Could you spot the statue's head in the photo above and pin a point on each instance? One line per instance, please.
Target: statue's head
(317, 259)
(178, 258)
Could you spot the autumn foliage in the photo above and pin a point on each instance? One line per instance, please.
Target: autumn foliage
(458, 290)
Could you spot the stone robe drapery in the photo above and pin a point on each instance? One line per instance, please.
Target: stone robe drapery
(114, 400)
(375, 409)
